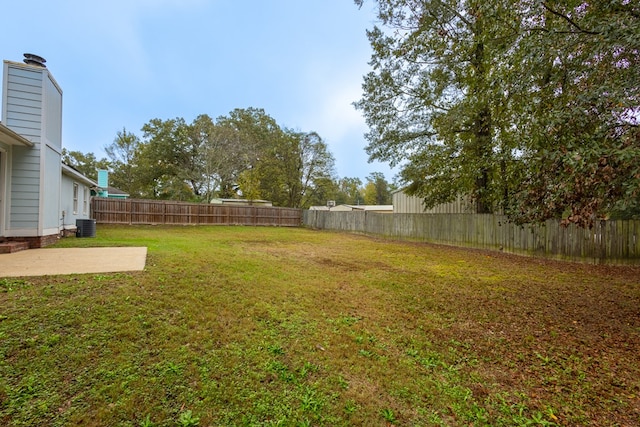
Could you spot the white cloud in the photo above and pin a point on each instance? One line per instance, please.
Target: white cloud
(337, 116)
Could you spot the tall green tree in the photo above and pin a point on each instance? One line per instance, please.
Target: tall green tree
(294, 169)
(309, 169)
(215, 152)
(377, 190)
(122, 153)
(574, 76)
(246, 134)
(324, 189)
(245, 153)
(171, 160)
(525, 105)
(429, 101)
(349, 191)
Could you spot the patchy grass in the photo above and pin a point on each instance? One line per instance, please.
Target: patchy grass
(274, 326)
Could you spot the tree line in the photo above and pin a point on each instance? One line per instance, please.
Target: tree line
(529, 107)
(244, 154)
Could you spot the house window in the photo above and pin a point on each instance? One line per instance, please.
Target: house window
(85, 200)
(75, 198)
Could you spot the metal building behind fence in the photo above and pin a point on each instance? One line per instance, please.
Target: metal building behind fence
(404, 203)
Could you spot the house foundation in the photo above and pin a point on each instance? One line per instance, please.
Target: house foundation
(37, 241)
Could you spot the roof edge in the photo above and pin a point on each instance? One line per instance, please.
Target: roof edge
(68, 170)
(11, 137)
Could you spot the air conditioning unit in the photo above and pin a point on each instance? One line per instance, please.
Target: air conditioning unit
(85, 228)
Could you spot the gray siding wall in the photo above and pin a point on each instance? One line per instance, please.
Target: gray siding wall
(25, 189)
(23, 114)
(52, 114)
(5, 153)
(51, 194)
(52, 146)
(23, 109)
(32, 107)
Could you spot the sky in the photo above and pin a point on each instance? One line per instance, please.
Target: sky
(121, 63)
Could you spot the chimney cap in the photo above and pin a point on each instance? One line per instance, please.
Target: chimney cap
(31, 59)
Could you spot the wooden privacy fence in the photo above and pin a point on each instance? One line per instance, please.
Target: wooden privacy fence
(607, 242)
(139, 211)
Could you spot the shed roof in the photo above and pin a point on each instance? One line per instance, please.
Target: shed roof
(117, 191)
(379, 208)
(242, 202)
(345, 207)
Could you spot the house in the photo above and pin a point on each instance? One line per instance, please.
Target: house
(40, 197)
(116, 193)
(105, 190)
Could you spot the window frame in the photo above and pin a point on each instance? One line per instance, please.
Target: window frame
(75, 198)
(85, 200)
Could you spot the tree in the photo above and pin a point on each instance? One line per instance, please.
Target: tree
(530, 106)
(217, 152)
(122, 154)
(243, 154)
(377, 191)
(429, 101)
(172, 160)
(324, 189)
(86, 164)
(574, 76)
(349, 191)
(294, 168)
(308, 168)
(246, 134)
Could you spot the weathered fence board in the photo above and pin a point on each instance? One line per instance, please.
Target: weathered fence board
(607, 242)
(139, 211)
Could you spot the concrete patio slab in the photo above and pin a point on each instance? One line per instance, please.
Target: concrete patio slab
(45, 262)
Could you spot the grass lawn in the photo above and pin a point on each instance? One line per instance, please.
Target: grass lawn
(294, 327)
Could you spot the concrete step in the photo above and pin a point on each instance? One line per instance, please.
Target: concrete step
(11, 247)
